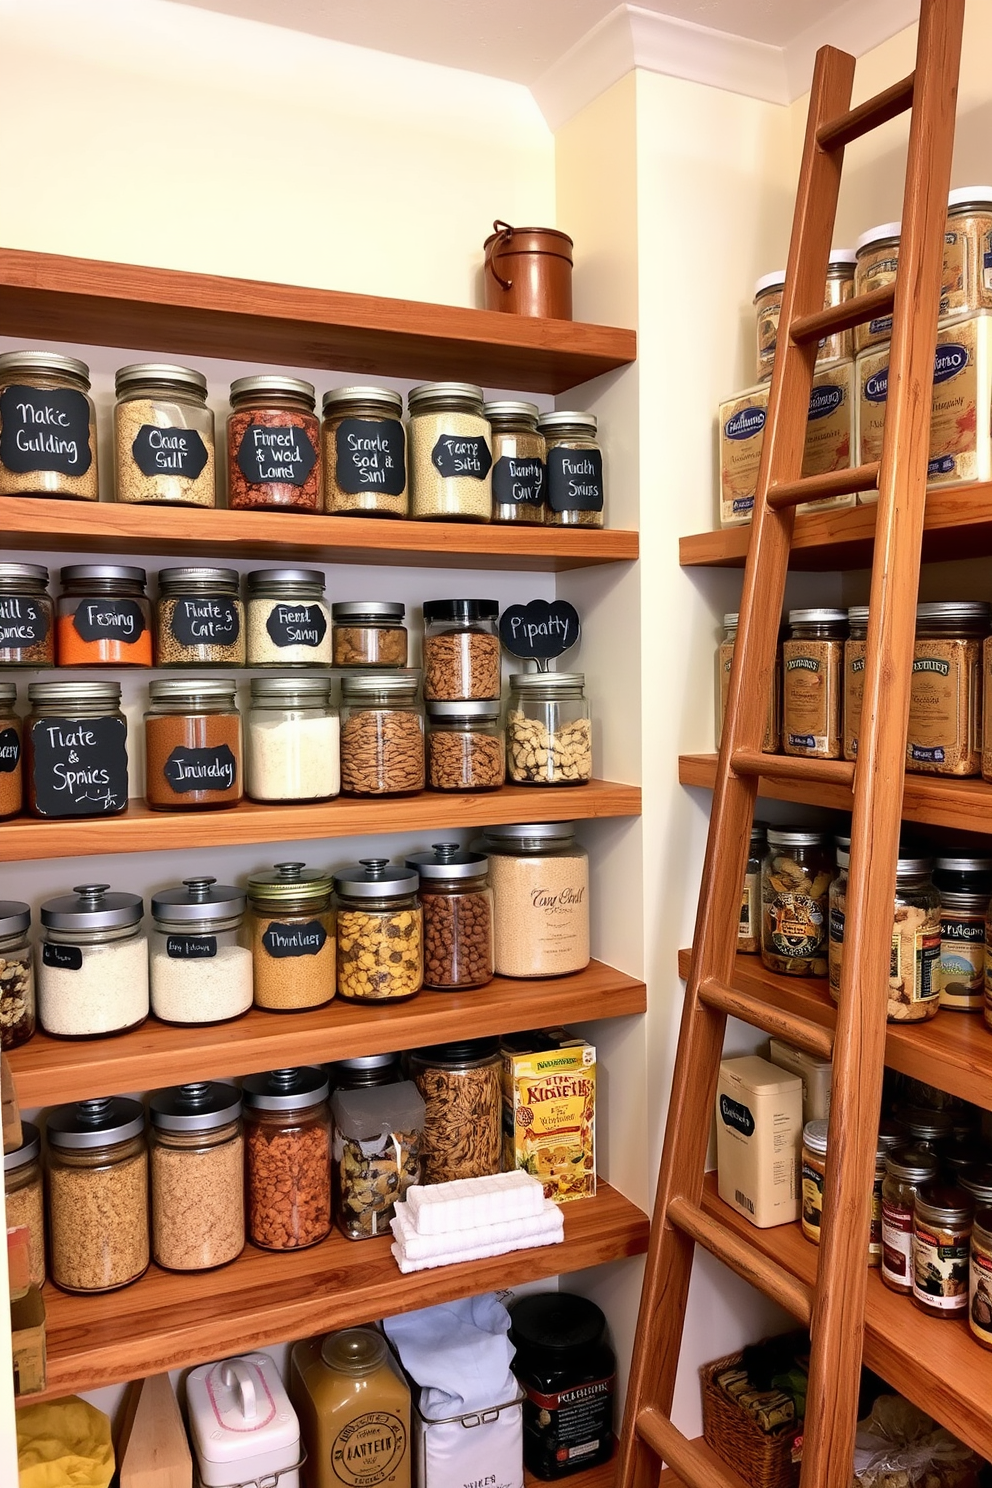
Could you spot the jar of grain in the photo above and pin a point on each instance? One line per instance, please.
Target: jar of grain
(98, 1194)
(460, 1085)
(967, 277)
(288, 618)
(364, 1071)
(104, 616)
(273, 445)
(288, 1157)
(364, 452)
(945, 702)
(465, 746)
(837, 915)
(199, 618)
(906, 1168)
(292, 937)
(27, 616)
(461, 649)
(548, 729)
(519, 453)
(767, 309)
(725, 657)
(164, 436)
(458, 917)
(376, 1150)
(11, 754)
(840, 287)
(380, 931)
(450, 453)
(382, 735)
(891, 1137)
(93, 972)
(854, 677)
(540, 881)
(812, 663)
(814, 1176)
(192, 744)
(369, 633)
(942, 1219)
(965, 888)
(877, 259)
(749, 927)
(794, 885)
(293, 740)
(75, 761)
(197, 1176)
(575, 469)
(17, 1014)
(47, 426)
(201, 968)
(980, 1279)
(24, 1197)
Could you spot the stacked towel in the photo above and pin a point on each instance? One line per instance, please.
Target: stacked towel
(472, 1218)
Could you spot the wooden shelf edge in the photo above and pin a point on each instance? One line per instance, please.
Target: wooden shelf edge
(604, 1476)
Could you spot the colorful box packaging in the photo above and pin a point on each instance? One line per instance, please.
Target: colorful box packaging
(549, 1111)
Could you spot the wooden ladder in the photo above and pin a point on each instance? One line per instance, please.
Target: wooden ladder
(834, 1307)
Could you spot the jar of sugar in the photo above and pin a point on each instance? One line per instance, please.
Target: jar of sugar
(201, 968)
(93, 971)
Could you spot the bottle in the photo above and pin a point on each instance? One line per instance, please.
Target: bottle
(354, 1410)
(906, 1168)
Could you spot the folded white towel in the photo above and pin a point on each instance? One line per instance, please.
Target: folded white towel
(420, 1247)
(477, 1253)
(440, 1208)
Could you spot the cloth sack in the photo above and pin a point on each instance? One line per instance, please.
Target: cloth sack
(64, 1444)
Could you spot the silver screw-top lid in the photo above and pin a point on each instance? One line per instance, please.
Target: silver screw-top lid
(46, 362)
(977, 1182)
(217, 688)
(796, 837)
(479, 709)
(368, 609)
(911, 1164)
(963, 865)
(447, 860)
(924, 1124)
(955, 609)
(96, 1123)
(35, 572)
(309, 690)
(937, 1201)
(510, 408)
(124, 571)
(70, 693)
(285, 1089)
(553, 682)
(200, 1106)
(182, 578)
(8, 692)
(841, 258)
(375, 878)
(815, 1136)
(731, 620)
(759, 831)
(912, 864)
(199, 899)
(817, 617)
(344, 397)
(29, 1150)
(258, 578)
(564, 418)
(857, 615)
(359, 687)
(444, 392)
(15, 917)
(549, 832)
(159, 374)
(366, 1062)
(270, 382)
(92, 907)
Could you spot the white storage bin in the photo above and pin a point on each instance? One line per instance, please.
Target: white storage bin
(245, 1431)
(478, 1447)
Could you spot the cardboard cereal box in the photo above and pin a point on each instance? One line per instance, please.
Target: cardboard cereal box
(549, 1111)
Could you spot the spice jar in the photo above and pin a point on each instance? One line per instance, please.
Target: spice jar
(837, 915)
(288, 618)
(767, 309)
(890, 1138)
(749, 925)
(460, 1084)
(201, 964)
(12, 754)
(976, 1181)
(273, 445)
(364, 452)
(199, 618)
(814, 1173)
(376, 1149)
(17, 1014)
(794, 884)
(461, 649)
(93, 972)
(24, 1197)
(539, 877)
(812, 663)
(27, 616)
(98, 1194)
(945, 716)
(192, 744)
(568, 1373)
(104, 616)
(965, 888)
(942, 1219)
(575, 469)
(906, 1168)
(380, 931)
(293, 740)
(465, 746)
(877, 259)
(76, 749)
(548, 729)
(288, 1157)
(450, 453)
(369, 633)
(967, 283)
(365, 1071)
(351, 1395)
(164, 436)
(292, 937)
(519, 452)
(841, 267)
(47, 426)
(854, 677)
(382, 735)
(725, 657)
(458, 917)
(197, 1176)
(980, 1279)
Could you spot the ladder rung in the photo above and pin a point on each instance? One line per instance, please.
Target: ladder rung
(793, 767)
(758, 1270)
(695, 1468)
(822, 487)
(837, 133)
(812, 1037)
(842, 317)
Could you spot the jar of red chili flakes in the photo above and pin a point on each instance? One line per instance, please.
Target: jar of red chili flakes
(273, 442)
(288, 1157)
(104, 616)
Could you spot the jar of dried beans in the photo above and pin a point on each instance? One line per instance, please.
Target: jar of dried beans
(812, 664)
(288, 1157)
(450, 453)
(197, 1176)
(164, 436)
(575, 470)
(465, 746)
(369, 633)
(876, 261)
(11, 754)
(942, 1220)
(199, 618)
(460, 1085)
(273, 444)
(76, 749)
(794, 885)
(461, 649)
(854, 677)
(458, 917)
(539, 877)
(380, 931)
(548, 730)
(519, 453)
(93, 971)
(27, 616)
(725, 658)
(47, 426)
(292, 937)
(382, 735)
(98, 1194)
(945, 701)
(376, 1148)
(201, 970)
(288, 618)
(17, 1014)
(965, 888)
(24, 1196)
(104, 616)
(293, 740)
(364, 452)
(192, 744)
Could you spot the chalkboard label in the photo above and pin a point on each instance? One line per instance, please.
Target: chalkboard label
(23, 623)
(65, 957)
(539, 630)
(294, 940)
(371, 456)
(79, 766)
(121, 620)
(575, 479)
(470, 458)
(190, 947)
(169, 451)
(518, 482)
(44, 429)
(10, 751)
(278, 452)
(208, 620)
(296, 625)
(189, 770)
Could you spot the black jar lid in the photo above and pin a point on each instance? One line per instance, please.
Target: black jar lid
(460, 610)
(286, 1089)
(447, 860)
(199, 899)
(96, 1123)
(556, 1320)
(200, 1106)
(29, 1150)
(15, 916)
(92, 907)
(467, 1051)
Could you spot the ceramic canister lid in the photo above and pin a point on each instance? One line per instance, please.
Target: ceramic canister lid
(238, 1410)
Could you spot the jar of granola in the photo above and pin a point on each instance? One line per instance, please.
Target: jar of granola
(812, 662)
(364, 452)
(944, 736)
(794, 884)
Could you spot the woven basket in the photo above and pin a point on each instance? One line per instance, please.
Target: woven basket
(762, 1459)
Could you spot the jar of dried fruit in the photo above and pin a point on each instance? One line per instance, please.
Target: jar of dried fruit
(458, 917)
(164, 436)
(98, 1194)
(794, 885)
(11, 754)
(104, 616)
(24, 1195)
(465, 746)
(382, 734)
(273, 445)
(369, 633)
(548, 729)
(199, 618)
(17, 1016)
(200, 962)
(461, 650)
(380, 931)
(575, 469)
(197, 1176)
(288, 1157)
(292, 937)
(519, 454)
(460, 1084)
(27, 616)
(364, 452)
(450, 453)
(376, 1149)
(193, 744)
(945, 701)
(47, 426)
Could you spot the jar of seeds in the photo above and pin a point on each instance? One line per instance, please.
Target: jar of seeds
(794, 885)
(273, 445)
(288, 1157)
(854, 677)
(11, 754)
(47, 426)
(27, 616)
(458, 917)
(98, 1194)
(17, 1015)
(197, 1176)
(288, 618)
(380, 931)
(450, 453)
(369, 633)
(945, 700)
(201, 964)
(376, 1150)
(93, 971)
(199, 618)
(460, 1085)
(292, 937)
(812, 663)
(548, 730)
(364, 452)
(465, 747)
(164, 436)
(382, 735)
(539, 877)
(461, 649)
(575, 469)
(193, 744)
(75, 761)
(519, 474)
(24, 1195)
(293, 740)
(965, 888)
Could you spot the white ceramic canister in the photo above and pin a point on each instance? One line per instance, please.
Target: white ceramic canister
(242, 1424)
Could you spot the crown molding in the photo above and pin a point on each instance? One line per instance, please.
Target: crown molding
(856, 27)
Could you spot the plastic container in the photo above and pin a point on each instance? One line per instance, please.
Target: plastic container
(812, 670)
(17, 998)
(293, 740)
(93, 969)
(539, 877)
(461, 654)
(795, 880)
(382, 734)
(288, 618)
(945, 703)
(354, 1411)
(548, 729)
(199, 618)
(24, 1197)
(197, 1176)
(201, 964)
(193, 744)
(243, 1427)
(164, 436)
(75, 759)
(576, 490)
(364, 452)
(466, 750)
(288, 1157)
(273, 445)
(27, 616)
(461, 1087)
(450, 453)
(98, 1194)
(376, 1150)
(457, 905)
(380, 931)
(965, 888)
(104, 616)
(369, 633)
(528, 271)
(292, 937)
(906, 1168)
(568, 1372)
(47, 426)
(519, 470)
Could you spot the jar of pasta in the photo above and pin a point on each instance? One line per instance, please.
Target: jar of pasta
(460, 1086)
(967, 276)
(287, 1157)
(75, 759)
(575, 469)
(17, 1003)
(548, 729)
(519, 452)
(854, 677)
(450, 453)
(193, 744)
(369, 633)
(273, 445)
(104, 616)
(767, 309)
(199, 618)
(382, 734)
(288, 618)
(164, 436)
(794, 884)
(877, 259)
(380, 931)
(12, 754)
(945, 701)
(47, 426)
(292, 937)
(98, 1194)
(725, 658)
(965, 888)
(364, 452)
(197, 1176)
(27, 616)
(812, 664)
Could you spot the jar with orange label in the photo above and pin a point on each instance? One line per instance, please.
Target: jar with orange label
(812, 664)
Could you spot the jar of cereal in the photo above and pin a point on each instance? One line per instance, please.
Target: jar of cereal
(380, 931)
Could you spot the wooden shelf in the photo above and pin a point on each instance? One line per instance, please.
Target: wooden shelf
(604, 1476)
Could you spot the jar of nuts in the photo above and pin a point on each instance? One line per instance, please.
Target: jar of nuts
(382, 735)
(380, 932)
(98, 1194)
(460, 1084)
(458, 917)
(288, 1157)
(794, 883)
(292, 937)
(376, 1151)
(461, 649)
(369, 633)
(364, 452)
(197, 1176)
(548, 731)
(17, 1016)
(465, 747)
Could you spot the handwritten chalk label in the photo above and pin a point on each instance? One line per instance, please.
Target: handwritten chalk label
(539, 630)
(23, 623)
(455, 455)
(79, 766)
(121, 620)
(206, 620)
(371, 456)
(10, 751)
(189, 770)
(44, 430)
(279, 453)
(63, 957)
(575, 479)
(296, 625)
(169, 451)
(294, 940)
(190, 947)
(518, 482)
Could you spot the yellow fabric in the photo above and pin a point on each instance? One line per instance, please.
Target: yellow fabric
(64, 1444)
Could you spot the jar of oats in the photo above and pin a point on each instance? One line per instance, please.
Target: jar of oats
(812, 664)
(197, 1176)
(519, 452)
(548, 729)
(854, 677)
(965, 886)
(47, 426)
(794, 883)
(364, 452)
(199, 618)
(380, 931)
(945, 713)
(461, 650)
(877, 259)
(273, 438)
(382, 735)
(967, 279)
(767, 309)
(725, 657)
(539, 876)
(23, 1192)
(164, 436)
(450, 453)
(575, 469)
(98, 1194)
(292, 937)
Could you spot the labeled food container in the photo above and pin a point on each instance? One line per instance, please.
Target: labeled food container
(465, 746)
(837, 916)
(942, 1220)
(767, 310)
(576, 492)
(794, 884)
(380, 931)
(965, 888)
(841, 267)
(877, 259)
(365, 1071)
(24, 1197)
(292, 937)
(944, 735)
(293, 742)
(27, 616)
(914, 975)
(348, 1390)
(486, 1442)
(890, 1138)
(369, 633)
(201, 964)
(528, 271)
(288, 1157)
(450, 453)
(364, 452)
(461, 1087)
(242, 1425)
(967, 273)
(164, 436)
(725, 658)
(813, 1173)
(197, 1176)
(76, 749)
(199, 618)
(830, 429)
(906, 1169)
(458, 917)
(563, 1356)
(980, 1279)
(273, 445)
(93, 970)
(12, 754)
(104, 616)
(288, 618)
(812, 669)
(193, 744)
(382, 735)
(539, 877)
(749, 926)
(742, 431)
(548, 729)
(376, 1151)
(17, 1008)
(519, 470)
(461, 650)
(855, 648)
(98, 1194)
(47, 426)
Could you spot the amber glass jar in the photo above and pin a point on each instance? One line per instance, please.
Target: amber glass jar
(519, 454)
(812, 665)
(273, 445)
(47, 426)
(192, 744)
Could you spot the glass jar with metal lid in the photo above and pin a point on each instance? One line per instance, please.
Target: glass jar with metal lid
(461, 650)
(11, 754)
(104, 616)
(450, 453)
(925, 1127)
(837, 915)
(942, 1220)
(75, 760)
(460, 1086)
(164, 436)
(767, 302)
(364, 452)
(576, 492)
(957, 1155)
(891, 1137)
(197, 1176)
(980, 1279)
(967, 283)
(749, 928)
(27, 616)
(380, 931)
(914, 979)
(17, 1010)
(725, 658)
(273, 445)
(200, 963)
(539, 876)
(465, 746)
(47, 426)
(906, 1168)
(288, 1157)
(364, 1071)
(98, 1194)
(199, 618)
(840, 287)
(369, 633)
(193, 744)
(382, 734)
(292, 928)
(813, 1172)
(519, 453)
(548, 729)
(288, 618)
(877, 259)
(965, 888)
(945, 702)
(292, 740)
(794, 884)
(976, 1181)
(24, 1195)
(458, 916)
(854, 677)
(93, 971)
(812, 668)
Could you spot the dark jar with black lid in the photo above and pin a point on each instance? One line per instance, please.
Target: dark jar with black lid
(567, 1371)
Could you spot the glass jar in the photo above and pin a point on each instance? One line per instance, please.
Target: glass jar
(725, 657)
(17, 1011)
(812, 664)
(548, 729)
(461, 650)
(288, 618)
(576, 490)
(855, 648)
(539, 876)
(450, 453)
(767, 310)
(957, 1155)
(460, 1085)
(380, 932)
(199, 618)
(458, 917)
(293, 740)
(967, 281)
(47, 426)
(814, 1176)
(794, 884)
(347, 1389)
(877, 259)
(364, 453)
(942, 1219)
(273, 445)
(12, 754)
(567, 1369)
(292, 937)
(197, 1176)
(837, 916)
(925, 1127)
(164, 436)
(841, 267)
(369, 633)
(914, 980)
(93, 972)
(98, 1194)
(201, 966)
(945, 701)
(382, 735)
(192, 744)
(376, 1150)
(104, 616)
(465, 747)
(364, 1072)
(519, 453)
(24, 1197)
(75, 761)
(976, 1182)
(906, 1168)
(288, 1157)
(965, 888)
(890, 1138)
(749, 926)
(27, 616)
(980, 1279)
